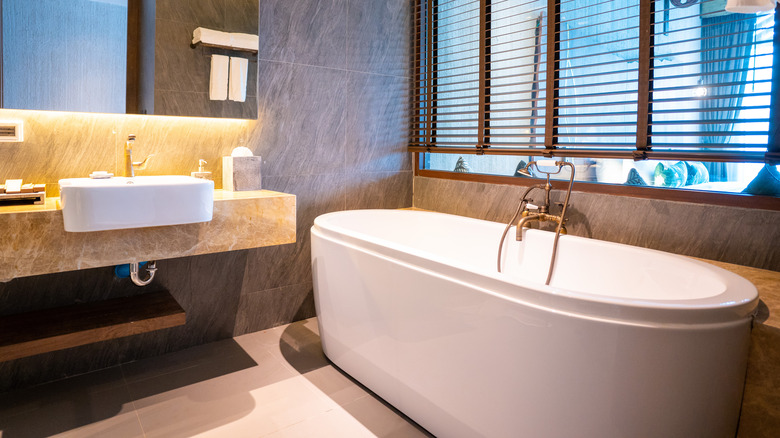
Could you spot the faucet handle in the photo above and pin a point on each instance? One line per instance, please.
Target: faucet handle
(141, 165)
(531, 207)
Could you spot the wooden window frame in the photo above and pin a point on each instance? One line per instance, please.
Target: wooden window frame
(643, 149)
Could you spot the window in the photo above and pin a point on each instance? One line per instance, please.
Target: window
(655, 93)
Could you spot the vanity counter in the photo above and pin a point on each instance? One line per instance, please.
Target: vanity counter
(33, 239)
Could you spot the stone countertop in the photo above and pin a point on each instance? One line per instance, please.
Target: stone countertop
(33, 240)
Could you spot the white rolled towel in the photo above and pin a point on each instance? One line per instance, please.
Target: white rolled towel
(218, 82)
(244, 41)
(238, 70)
(210, 36)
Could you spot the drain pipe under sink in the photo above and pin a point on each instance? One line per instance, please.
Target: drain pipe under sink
(151, 267)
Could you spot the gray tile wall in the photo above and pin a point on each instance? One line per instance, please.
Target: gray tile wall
(729, 234)
(208, 288)
(333, 88)
(332, 106)
(181, 73)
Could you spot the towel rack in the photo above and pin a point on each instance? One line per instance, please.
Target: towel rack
(218, 46)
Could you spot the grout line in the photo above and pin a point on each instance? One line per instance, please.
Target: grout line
(414, 185)
(271, 289)
(297, 175)
(299, 64)
(346, 34)
(132, 401)
(347, 109)
(139, 421)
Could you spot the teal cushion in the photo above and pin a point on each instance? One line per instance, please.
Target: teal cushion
(766, 183)
(670, 175)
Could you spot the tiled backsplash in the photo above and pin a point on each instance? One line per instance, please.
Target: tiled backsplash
(728, 234)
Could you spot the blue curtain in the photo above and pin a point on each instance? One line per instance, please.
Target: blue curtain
(725, 60)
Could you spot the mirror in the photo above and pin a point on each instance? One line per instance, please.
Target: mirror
(121, 56)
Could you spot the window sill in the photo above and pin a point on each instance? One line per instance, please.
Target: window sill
(684, 195)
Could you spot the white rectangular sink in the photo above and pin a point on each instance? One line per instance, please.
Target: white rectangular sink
(137, 202)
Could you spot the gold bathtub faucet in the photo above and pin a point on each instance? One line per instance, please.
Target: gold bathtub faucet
(530, 213)
(528, 217)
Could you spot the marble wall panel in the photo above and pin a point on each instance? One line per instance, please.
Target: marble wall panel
(207, 13)
(181, 68)
(177, 66)
(379, 190)
(69, 145)
(178, 142)
(729, 234)
(185, 103)
(211, 281)
(192, 104)
(57, 145)
(377, 123)
(305, 32)
(274, 307)
(284, 265)
(334, 137)
(379, 34)
(302, 110)
(26, 294)
(242, 16)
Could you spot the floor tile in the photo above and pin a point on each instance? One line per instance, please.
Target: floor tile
(335, 385)
(382, 420)
(125, 426)
(266, 338)
(188, 367)
(334, 423)
(95, 404)
(274, 383)
(190, 382)
(297, 345)
(220, 408)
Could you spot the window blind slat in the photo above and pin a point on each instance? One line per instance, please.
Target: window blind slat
(489, 70)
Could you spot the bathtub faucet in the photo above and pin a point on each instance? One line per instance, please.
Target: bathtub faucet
(532, 213)
(529, 217)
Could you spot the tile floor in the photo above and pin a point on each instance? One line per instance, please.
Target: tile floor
(274, 383)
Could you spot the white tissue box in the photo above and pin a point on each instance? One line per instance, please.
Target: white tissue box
(241, 173)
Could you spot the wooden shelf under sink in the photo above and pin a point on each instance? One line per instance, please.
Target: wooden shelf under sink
(42, 331)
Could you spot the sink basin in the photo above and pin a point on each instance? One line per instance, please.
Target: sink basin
(142, 201)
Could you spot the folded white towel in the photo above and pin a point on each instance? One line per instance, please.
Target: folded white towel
(244, 41)
(210, 36)
(237, 86)
(218, 83)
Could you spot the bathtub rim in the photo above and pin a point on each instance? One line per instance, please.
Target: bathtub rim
(738, 302)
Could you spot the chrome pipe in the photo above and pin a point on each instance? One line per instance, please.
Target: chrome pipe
(150, 267)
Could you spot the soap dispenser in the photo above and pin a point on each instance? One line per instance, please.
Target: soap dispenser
(201, 173)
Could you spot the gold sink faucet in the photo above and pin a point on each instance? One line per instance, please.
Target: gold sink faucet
(130, 165)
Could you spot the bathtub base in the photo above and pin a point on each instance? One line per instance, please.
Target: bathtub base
(463, 363)
(465, 354)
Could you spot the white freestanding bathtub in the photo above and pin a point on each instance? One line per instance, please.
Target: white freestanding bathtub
(625, 342)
